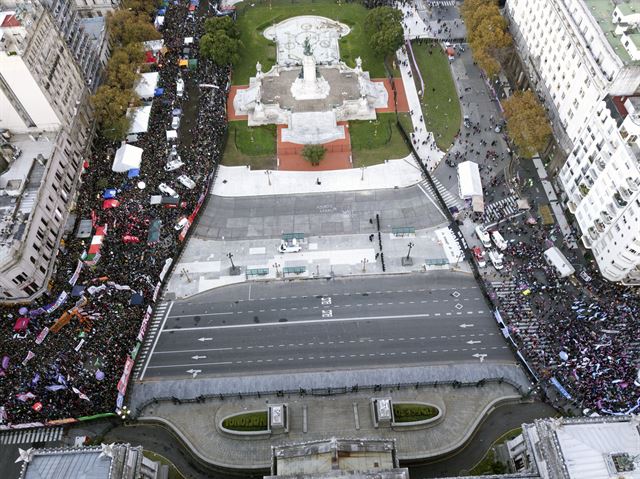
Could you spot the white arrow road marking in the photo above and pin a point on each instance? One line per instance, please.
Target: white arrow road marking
(473, 342)
(466, 325)
(204, 357)
(205, 339)
(480, 356)
(194, 372)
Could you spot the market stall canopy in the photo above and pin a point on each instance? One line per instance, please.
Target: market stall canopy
(139, 119)
(172, 134)
(133, 173)
(469, 183)
(84, 229)
(109, 193)
(477, 203)
(21, 324)
(146, 85)
(153, 45)
(127, 157)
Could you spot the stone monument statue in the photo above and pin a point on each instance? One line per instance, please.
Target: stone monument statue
(310, 86)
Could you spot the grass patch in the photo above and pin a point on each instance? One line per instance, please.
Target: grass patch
(252, 21)
(254, 146)
(413, 412)
(373, 142)
(443, 117)
(174, 473)
(251, 421)
(405, 120)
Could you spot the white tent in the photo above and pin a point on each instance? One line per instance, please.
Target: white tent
(153, 45)
(172, 135)
(146, 86)
(469, 183)
(127, 157)
(140, 119)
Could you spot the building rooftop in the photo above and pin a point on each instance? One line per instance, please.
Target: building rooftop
(602, 11)
(20, 183)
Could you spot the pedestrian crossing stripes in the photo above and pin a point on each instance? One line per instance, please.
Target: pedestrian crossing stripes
(152, 331)
(498, 210)
(449, 199)
(442, 3)
(30, 436)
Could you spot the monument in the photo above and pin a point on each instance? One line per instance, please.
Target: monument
(309, 89)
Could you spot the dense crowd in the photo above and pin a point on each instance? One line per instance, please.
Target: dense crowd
(74, 372)
(582, 333)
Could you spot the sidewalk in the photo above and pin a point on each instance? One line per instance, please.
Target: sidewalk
(204, 264)
(332, 415)
(240, 181)
(429, 153)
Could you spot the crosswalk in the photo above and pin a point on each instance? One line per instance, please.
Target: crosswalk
(30, 436)
(442, 3)
(154, 325)
(449, 199)
(498, 210)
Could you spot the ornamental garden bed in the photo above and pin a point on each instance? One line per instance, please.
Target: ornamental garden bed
(253, 421)
(414, 412)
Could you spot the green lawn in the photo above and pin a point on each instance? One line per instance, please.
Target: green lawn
(488, 464)
(255, 146)
(373, 142)
(442, 116)
(252, 21)
(413, 412)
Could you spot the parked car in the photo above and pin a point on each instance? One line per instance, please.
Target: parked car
(478, 254)
(167, 190)
(181, 224)
(483, 236)
(496, 259)
(499, 241)
(179, 87)
(173, 164)
(175, 122)
(187, 182)
(291, 246)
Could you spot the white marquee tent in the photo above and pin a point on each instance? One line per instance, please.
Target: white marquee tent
(146, 86)
(128, 157)
(140, 119)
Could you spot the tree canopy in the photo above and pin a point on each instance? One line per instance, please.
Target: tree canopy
(221, 42)
(487, 32)
(383, 26)
(126, 26)
(314, 154)
(110, 105)
(527, 122)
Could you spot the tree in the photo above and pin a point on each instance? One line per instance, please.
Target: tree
(110, 106)
(123, 65)
(220, 48)
(383, 26)
(314, 154)
(527, 122)
(126, 26)
(487, 33)
(226, 24)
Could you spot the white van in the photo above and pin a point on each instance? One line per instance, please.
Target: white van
(186, 182)
(179, 87)
(173, 164)
(167, 190)
(483, 236)
(175, 122)
(499, 241)
(496, 259)
(181, 224)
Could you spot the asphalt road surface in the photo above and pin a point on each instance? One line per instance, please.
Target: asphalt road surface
(261, 328)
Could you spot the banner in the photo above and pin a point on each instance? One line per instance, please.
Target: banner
(124, 379)
(560, 388)
(30, 356)
(61, 299)
(145, 322)
(76, 274)
(156, 291)
(79, 345)
(165, 268)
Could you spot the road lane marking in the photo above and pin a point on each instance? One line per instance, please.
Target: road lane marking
(190, 364)
(301, 322)
(226, 313)
(191, 350)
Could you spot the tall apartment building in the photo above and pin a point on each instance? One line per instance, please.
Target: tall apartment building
(46, 126)
(95, 8)
(583, 60)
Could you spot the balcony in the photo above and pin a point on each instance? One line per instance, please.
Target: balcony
(606, 217)
(634, 183)
(600, 164)
(625, 193)
(612, 209)
(619, 201)
(583, 189)
(600, 227)
(586, 240)
(592, 233)
(572, 207)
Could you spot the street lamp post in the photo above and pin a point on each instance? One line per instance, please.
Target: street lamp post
(364, 265)
(406, 260)
(411, 245)
(234, 268)
(268, 173)
(276, 266)
(362, 168)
